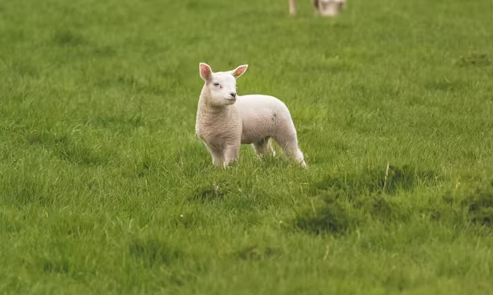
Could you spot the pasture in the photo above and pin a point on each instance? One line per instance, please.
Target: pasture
(105, 189)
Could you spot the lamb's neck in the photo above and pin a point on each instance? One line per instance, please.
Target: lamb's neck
(209, 112)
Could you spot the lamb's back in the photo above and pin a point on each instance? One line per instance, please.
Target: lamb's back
(262, 116)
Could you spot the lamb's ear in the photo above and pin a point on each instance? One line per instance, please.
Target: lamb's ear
(205, 71)
(239, 71)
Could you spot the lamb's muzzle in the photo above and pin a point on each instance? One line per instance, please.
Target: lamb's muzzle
(225, 120)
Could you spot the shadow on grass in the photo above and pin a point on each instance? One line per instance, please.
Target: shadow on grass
(254, 253)
(329, 218)
(474, 60)
(68, 38)
(210, 192)
(376, 180)
(60, 267)
(153, 252)
(479, 204)
(343, 204)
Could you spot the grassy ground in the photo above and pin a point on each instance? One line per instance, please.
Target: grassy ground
(104, 188)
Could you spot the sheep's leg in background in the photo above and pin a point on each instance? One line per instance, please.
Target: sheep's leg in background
(292, 6)
(316, 5)
(269, 146)
(262, 146)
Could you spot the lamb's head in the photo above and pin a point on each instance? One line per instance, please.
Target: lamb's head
(330, 7)
(221, 86)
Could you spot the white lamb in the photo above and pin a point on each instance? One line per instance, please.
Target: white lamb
(226, 120)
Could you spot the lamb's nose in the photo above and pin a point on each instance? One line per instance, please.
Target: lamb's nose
(233, 94)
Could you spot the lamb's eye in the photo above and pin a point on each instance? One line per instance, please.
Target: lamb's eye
(216, 84)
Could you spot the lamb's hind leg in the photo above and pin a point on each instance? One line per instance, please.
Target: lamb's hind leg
(289, 143)
(262, 146)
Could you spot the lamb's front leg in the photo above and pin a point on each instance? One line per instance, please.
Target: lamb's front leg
(292, 6)
(231, 154)
(217, 155)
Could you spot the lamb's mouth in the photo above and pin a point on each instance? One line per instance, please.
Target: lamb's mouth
(231, 100)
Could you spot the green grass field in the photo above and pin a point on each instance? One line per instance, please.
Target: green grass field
(105, 189)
